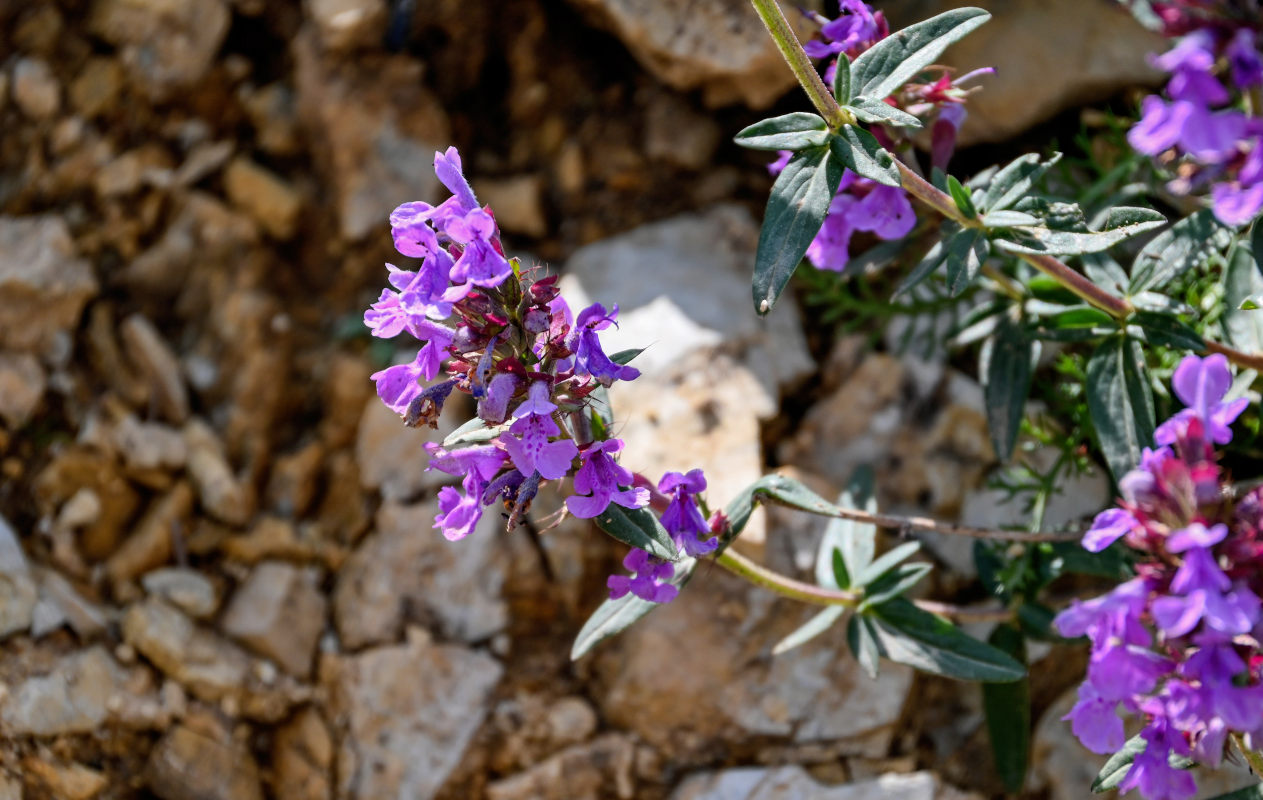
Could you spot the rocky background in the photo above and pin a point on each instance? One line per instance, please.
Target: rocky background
(217, 573)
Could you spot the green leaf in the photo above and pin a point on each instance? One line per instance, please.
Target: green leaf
(1166, 330)
(1120, 402)
(861, 635)
(1036, 621)
(475, 431)
(1008, 710)
(908, 635)
(818, 624)
(859, 150)
(960, 196)
(626, 356)
(1243, 280)
(842, 80)
(966, 252)
(1105, 272)
(866, 109)
(930, 262)
(1012, 182)
(1253, 792)
(1121, 224)
(797, 131)
(888, 561)
(1080, 317)
(1183, 246)
(1006, 372)
(890, 63)
(795, 211)
(1007, 219)
(894, 583)
(637, 527)
(1116, 767)
(613, 617)
(1252, 303)
(850, 542)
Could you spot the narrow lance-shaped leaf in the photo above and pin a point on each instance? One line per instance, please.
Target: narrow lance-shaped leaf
(1006, 380)
(859, 150)
(966, 252)
(818, 624)
(1014, 181)
(867, 109)
(1243, 280)
(908, 635)
(1121, 224)
(960, 196)
(893, 61)
(1117, 766)
(861, 635)
(842, 80)
(795, 211)
(1183, 246)
(929, 262)
(1008, 710)
(1120, 402)
(637, 527)
(854, 542)
(797, 131)
(1166, 330)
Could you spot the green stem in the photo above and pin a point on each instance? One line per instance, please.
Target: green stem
(1252, 756)
(787, 42)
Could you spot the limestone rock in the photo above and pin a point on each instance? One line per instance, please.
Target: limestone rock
(592, 771)
(18, 593)
(683, 285)
(61, 604)
(279, 612)
(534, 728)
(723, 688)
(66, 781)
(302, 757)
(187, 764)
(74, 697)
(95, 90)
(186, 589)
(719, 46)
(346, 24)
(157, 363)
(376, 129)
(35, 90)
(407, 713)
(264, 195)
(22, 385)
(392, 457)
(150, 544)
(1048, 57)
(150, 445)
(406, 565)
(166, 45)
(517, 202)
(218, 490)
(793, 783)
(43, 285)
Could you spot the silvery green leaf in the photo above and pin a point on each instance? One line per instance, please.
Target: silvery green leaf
(796, 131)
(893, 61)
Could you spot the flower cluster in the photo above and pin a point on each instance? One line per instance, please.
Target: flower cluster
(1198, 125)
(513, 344)
(1178, 644)
(860, 204)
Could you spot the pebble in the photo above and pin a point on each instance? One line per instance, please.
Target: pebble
(35, 90)
(264, 196)
(279, 612)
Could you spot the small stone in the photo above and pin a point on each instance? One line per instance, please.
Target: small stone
(125, 174)
(18, 593)
(22, 385)
(166, 45)
(392, 457)
(292, 485)
(10, 788)
(43, 285)
(262, 194)
(61, 604)
(279, 612)
(218, 490)
(203, 160)
(151, 543)
(271, 111)
(186, 589)
(346, 24)
(66, 781)
(401, 736)
(407, 565)
(96, 88)
(517, 202)
(592, 771)
(793, 783)
(302, 757)
(187, 764)
(158, 364)
(677, 134)
(35, 90)
(74, 697)
(150, 445)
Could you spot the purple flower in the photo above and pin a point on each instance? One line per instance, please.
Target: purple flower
(483, 460)
(1235, 205)
(782, 161)
(683, 519)
(459, 514)
(1199, 571)
(1243, 59)
(1153, 773)
(538, 400)
(1108, 527)
(397, 386)
(1160, 126)
(1191, 61)
(1196, 535)
(648, 580)
(533, 452)
(493, 406)
(884, 211)
(1110, 616)
(1212, 137)
(600, 480)
(831, 249)
(1094, 722)
(1202, 383)
(1120, 671)
(589, 357)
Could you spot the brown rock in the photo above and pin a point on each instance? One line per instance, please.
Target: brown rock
(218, 490)
(346, 24)
(203, 159)
(346, 389)
(279, 612)
(275, 537)
(190, 765)
(392, 457)
(262, 194)
(675, 133)
(157, 363)
(151, 544)
(186, 589)
(150, 445)
(271, 111)
(593, 771)
(518, 203)
(293, 482)
(96, 89)
(302, 758)
(534, 728)
(18, 593)
(22, 385)
(35, 90)
(166, 45)
(66, 781)
(43, 285)
(73, 697)
(62, 603)
(402, 737)
(77, 469)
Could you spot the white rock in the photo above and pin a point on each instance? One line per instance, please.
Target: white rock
(279, 612)
(73, 698)
(186, 589)
(793, 783)
(344, 24)
(18, 593)
(22, 385)
(35, 90)
(166, 45)
(43, 284)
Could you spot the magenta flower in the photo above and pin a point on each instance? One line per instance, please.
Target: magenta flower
(532, 451)
(1094, 721)
(589, 357)
(1109, 526)
(648, 580)
(683, 519)
(459, 514)
(600, 481)
(1202, 384)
